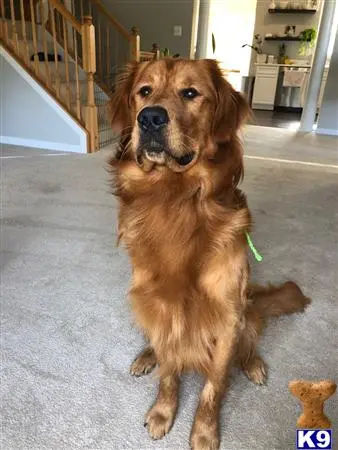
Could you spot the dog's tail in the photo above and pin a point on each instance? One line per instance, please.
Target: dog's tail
(265, 302)
(273, 301)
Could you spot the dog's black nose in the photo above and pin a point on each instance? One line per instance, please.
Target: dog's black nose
(153, 118)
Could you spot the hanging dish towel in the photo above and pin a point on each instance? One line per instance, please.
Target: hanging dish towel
(294, 78)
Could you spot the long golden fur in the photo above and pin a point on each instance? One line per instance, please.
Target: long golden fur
(183, 221)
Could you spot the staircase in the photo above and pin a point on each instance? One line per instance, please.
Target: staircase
(73, 49)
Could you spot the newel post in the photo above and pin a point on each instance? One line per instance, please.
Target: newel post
(89, 66)
(135, 45)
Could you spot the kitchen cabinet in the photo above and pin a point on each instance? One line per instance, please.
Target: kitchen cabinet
(265, 87)
(266, 82)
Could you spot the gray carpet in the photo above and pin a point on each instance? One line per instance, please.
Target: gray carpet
(67, 335)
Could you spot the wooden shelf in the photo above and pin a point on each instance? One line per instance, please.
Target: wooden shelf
(291, 11)
(283, 38)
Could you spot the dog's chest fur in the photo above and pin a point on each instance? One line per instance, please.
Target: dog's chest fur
(187, 271)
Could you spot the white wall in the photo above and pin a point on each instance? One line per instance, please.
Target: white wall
(232, 23)
(30, 117)
(328, 116)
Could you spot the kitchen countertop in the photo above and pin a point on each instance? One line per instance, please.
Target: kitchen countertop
(306, 66)
(283, 65)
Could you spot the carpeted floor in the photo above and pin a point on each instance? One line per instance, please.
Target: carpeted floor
(67, 335)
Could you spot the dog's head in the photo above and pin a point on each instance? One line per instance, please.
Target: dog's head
(174, 112)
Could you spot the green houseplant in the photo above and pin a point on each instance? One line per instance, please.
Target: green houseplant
(308, 39)
(257, 45)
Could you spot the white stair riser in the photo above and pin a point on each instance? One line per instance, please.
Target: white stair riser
(23, 46)
(61, 71)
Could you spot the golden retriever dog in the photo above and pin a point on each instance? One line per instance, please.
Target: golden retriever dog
(184, 221)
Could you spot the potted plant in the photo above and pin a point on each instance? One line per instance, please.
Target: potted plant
(308, 39)
(165, 53)
(257, 47)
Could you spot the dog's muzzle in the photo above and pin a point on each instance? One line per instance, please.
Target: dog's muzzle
(153, 125)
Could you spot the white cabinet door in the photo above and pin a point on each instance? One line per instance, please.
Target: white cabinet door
(265, 88)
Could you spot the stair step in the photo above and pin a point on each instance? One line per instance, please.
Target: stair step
(102, 114)
(62, 71)
(22, 50)
(101, 99)
(19, 31)
(22, 47)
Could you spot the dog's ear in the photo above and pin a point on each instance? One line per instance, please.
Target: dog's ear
(232, 109)
(120, 101)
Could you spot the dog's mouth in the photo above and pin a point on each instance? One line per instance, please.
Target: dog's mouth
(157, 154)
(147, 160)
(185, 159)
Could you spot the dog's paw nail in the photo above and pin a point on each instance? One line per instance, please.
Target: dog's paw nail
(143, 364)
(256, 371)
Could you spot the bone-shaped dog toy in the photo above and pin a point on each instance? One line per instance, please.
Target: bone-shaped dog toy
(312, 396)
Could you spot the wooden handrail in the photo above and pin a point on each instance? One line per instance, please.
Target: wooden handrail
(100, 6)
(67, 15)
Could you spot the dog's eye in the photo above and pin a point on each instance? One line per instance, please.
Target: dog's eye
(145, 91)
(189, 93)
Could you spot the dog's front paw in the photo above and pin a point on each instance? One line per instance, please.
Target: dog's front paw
(144, 363)
(159, 421)
(206, 440)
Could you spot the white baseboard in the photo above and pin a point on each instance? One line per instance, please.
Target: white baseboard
(327, 131)
(263, 106)
(46, 145)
